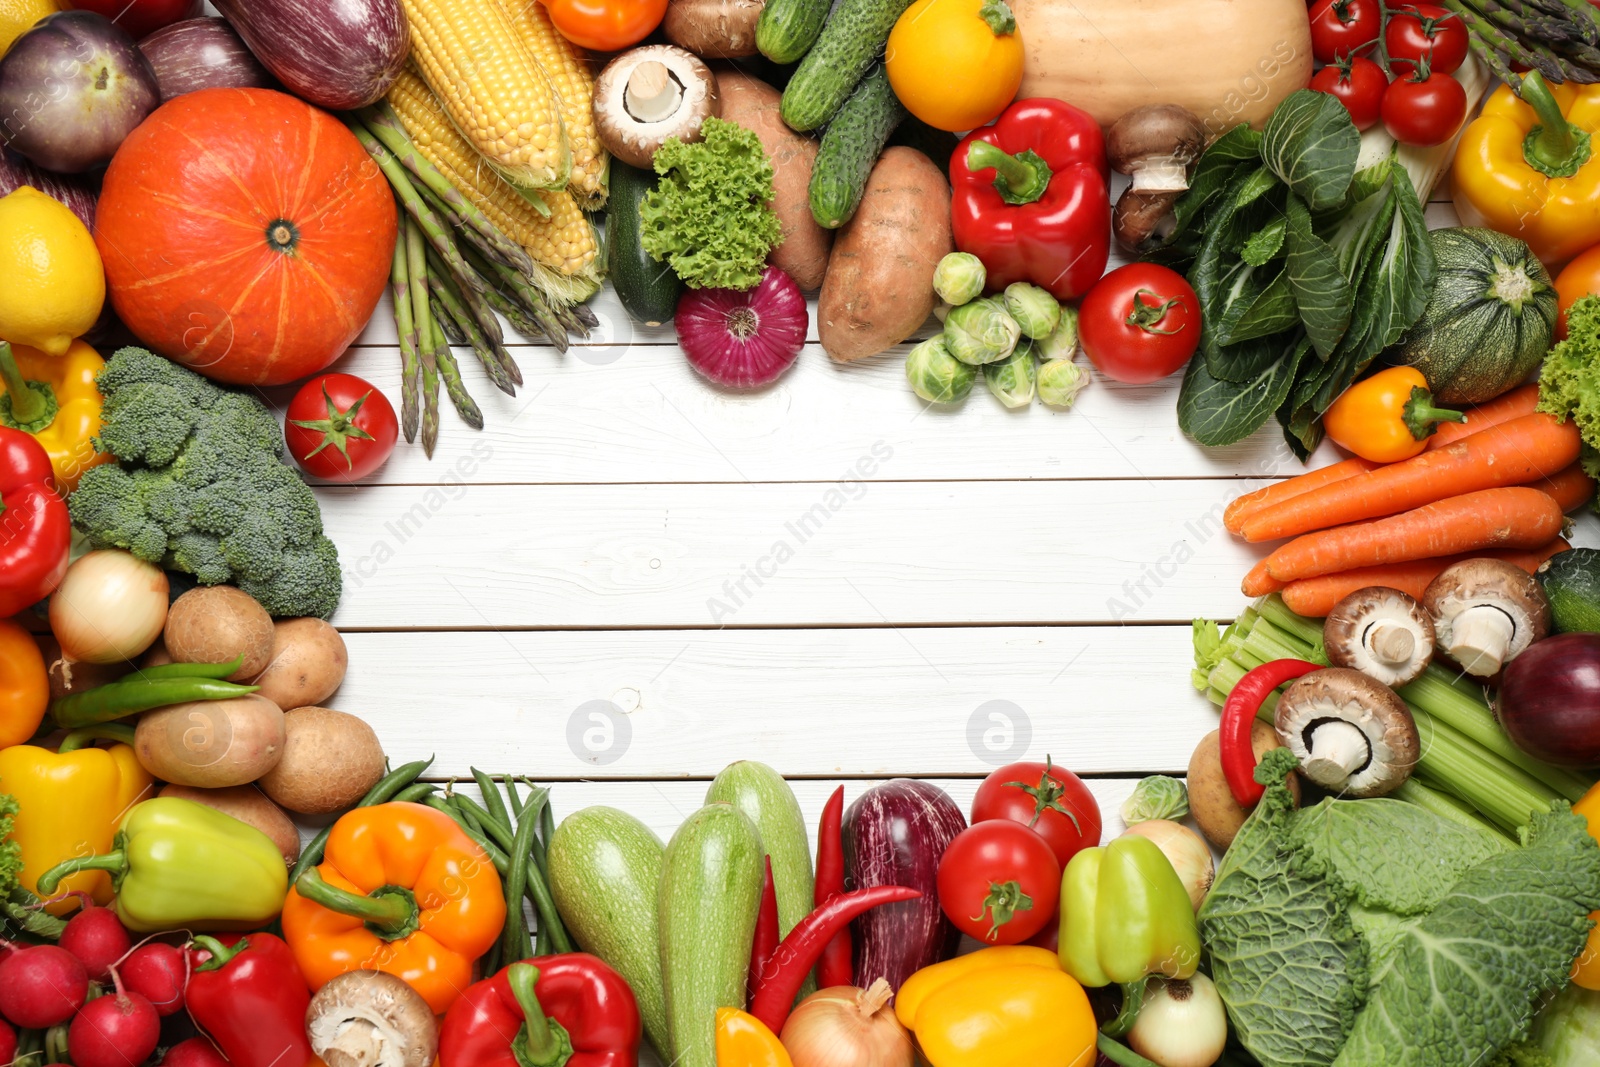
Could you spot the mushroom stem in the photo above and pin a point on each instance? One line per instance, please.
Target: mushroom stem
(1480, 639)
(1161, 174)
(1337, 750)
(652, 93)
(1392, 644)
(358, 1042)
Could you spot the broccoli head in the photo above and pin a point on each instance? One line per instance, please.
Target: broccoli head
(200, 487)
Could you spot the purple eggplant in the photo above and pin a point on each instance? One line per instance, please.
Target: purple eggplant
(71, 89)
(1549, 700)
(895, 834)
(202, 53)
(79, 194)
(339, 56)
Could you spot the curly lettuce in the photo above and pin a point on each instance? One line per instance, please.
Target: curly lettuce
(1569, 384)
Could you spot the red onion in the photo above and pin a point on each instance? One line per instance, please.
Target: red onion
(76, 192)
(744, 340)
(339, 56)
(1549, 701)
(202, 53)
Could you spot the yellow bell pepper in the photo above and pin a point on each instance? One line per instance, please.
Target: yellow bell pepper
(1530, 167)
(998, 1008)
(69, 804)
(66, 405)
(745, 1041)
(1586, 968)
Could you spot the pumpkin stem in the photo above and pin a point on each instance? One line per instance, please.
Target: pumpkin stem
(283, 236)
(998, 16)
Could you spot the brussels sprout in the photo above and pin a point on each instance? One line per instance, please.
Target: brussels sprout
(1156, 797)
(1035, 310)
(1060, 382)
(1062, 343)
(959, 277)
(981, 332)
(1011, 380)
(937, 376)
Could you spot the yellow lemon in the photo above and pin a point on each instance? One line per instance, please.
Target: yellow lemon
(55, 284)
(18, 16)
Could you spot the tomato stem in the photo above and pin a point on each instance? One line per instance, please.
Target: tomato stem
(1148, 316)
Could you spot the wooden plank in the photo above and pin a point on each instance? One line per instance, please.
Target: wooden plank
(669, 704)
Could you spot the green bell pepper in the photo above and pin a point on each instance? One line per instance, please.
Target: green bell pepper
(176, 864)
(1125, 916)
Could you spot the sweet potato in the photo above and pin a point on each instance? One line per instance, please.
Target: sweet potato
(879, 287)
(753, 104)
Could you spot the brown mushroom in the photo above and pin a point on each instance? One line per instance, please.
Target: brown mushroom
(1352, 734)
(1211, 802)
(714, 29)
(1485, 613)
(1155, 146)
(371, 1019)
(648, 95)
(1381, 632)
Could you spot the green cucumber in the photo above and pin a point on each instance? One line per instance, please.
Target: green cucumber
(1571, 582)
(787, 29)
(710, 893)
(852, 144)
(648, 289)
(605, 874)
(851, 40)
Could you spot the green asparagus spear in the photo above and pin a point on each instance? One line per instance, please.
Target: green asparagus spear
(450, 372)
(417, 263)
(405, 324)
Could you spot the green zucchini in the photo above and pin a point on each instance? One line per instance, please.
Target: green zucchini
(605, 875)
(787, 29)
(1489, 321)
(710, 894)
(851, 40)
(851, 145)
(647, 288)
(1571, 582)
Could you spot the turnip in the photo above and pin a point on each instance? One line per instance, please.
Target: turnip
(98, 939)
(156, 971)
(195, 1052)
(120, 1029)
(41, 985)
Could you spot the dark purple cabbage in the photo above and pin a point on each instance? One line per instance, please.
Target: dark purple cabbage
(79, 194)
(339, 56)
(203, 53)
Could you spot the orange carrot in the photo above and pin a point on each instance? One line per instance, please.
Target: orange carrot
(1242, 508)
(1514, 453)
(1571, 487)
(1259, 582)
(1513, 405)
(1316, 597)
(1515, 517)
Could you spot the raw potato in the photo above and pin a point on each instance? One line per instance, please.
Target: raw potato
(713, 29)
(218, 624)
(212, 744)
(1211, 802)
(879, 287)
(309, 660)
(803, 252)
(329, 762)
(251, 807)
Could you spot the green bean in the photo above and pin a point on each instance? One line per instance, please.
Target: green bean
(496, 857)
(492, 800)
(537, 890)
(502, 833)
(401, 778)
(118, 700)
(415, 794)
(517, 883)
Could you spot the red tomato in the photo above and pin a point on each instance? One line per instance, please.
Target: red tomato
(999, 882)
(1359, 84)
(1052, 801)
(1577, 280)
(609, 26)
(1340, 27)
(1139, 323)
(139, 18)
(1425, 112)
(1425, 30)
(340, 428)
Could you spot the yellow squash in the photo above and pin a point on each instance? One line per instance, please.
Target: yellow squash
(955, 64)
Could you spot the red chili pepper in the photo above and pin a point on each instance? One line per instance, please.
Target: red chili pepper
(248, 994)
(801, 949)
(569, 1010)
(1030, 198)
(1238, 718)
(837, 967)
(35, 530)
(766, 939)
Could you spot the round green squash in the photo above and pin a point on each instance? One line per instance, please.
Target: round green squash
(1489, 321)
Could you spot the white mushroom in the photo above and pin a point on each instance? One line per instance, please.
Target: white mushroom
(1351, 733)
(371, 1019)
(1155, 145)
(1380, 632)
(648, 95)
(1486, 612)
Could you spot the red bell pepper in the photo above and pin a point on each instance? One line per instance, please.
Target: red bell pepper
(1030, 198)
(569, 1010)
(248, 994)
(35, 530)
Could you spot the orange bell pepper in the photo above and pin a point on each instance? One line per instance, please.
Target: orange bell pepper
(745, 1041)
(1586, 968)
(24, 685)
(402, 889)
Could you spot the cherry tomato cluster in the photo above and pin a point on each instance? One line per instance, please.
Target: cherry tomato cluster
(1423, 45)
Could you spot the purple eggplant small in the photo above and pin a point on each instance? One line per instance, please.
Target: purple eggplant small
(339, 56)
(203, 53)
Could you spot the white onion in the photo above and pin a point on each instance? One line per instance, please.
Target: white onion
(1186, 850)
(1182, 1023)
(847, 1027)
(110, 607)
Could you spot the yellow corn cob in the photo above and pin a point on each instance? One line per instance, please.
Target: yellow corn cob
(572, 76)
(492, 88)
(563, 244)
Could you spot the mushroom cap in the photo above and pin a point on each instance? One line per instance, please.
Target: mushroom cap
(1490, 583)
(1164, 133)
(634, 140)
(371, 1019)
(1341, 695)
(1368, 631)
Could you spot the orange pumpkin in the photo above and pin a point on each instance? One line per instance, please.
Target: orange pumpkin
(245, 234)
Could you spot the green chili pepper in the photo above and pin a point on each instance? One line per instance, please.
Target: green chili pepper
(187, 670)
(118, 700)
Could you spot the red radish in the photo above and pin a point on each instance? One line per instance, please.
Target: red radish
(41, 986)
(195, 1052)
(120, 1029)
(743, 340)
(97, 938)
(157, 972)
(8, 1043)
